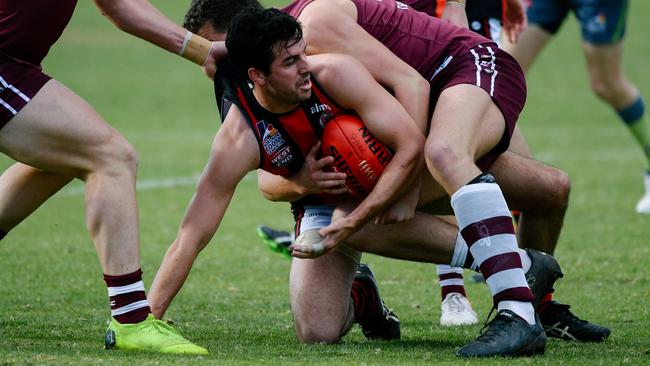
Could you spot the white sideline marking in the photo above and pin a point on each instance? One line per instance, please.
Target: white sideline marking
(78, 188)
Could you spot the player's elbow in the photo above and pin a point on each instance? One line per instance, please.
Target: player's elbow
(270, 195)
(270, 190)
(116, 11)
(191, 241)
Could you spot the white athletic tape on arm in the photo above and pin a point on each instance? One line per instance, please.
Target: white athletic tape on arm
(186, 40)
(195, 48)
(460, 3)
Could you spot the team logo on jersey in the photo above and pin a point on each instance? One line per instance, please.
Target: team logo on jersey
(272, 139)
(282, 158)
(324, 118)
(597, 23)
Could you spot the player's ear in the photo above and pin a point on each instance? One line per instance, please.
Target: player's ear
(257, 76)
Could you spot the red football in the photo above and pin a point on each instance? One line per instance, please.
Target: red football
(356, 153)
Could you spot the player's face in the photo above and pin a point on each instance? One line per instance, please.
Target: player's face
(289, 79)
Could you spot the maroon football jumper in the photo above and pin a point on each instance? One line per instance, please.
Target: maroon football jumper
(28, 28)
(444, 54)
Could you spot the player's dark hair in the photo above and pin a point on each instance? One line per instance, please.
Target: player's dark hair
(218, 13)
(254, 34)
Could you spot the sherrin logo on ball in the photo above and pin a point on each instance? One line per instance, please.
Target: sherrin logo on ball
(356, 152)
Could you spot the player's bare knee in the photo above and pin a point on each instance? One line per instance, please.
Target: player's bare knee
(309, 334)
(441, 158)
(562, 184)
(126, 154)
(116, 156)
(559, 188)
(609, 90)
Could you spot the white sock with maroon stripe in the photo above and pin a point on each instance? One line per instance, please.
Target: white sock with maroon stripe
(451, 280)
(129, 302)
(462, 258)
(486, 225)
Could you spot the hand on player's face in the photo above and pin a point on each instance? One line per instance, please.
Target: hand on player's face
(314, 177)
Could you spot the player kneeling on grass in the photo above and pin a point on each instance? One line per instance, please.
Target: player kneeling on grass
(273, 126)
(269, 52)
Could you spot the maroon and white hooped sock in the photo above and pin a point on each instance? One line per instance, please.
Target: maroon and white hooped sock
(129, 302)
(451, 280)
(486, 226)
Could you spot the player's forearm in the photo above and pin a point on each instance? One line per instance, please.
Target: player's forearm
(170, 277)
(413, 95)
(143, 20)
(179, 259)
(278, 189)
(454, 13)
(398, 178)
(199, 225)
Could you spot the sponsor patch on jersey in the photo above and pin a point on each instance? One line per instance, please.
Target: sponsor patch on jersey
(283, 157)
(272, 139)
(316, 108)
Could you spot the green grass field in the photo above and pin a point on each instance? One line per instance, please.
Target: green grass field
(53, 303)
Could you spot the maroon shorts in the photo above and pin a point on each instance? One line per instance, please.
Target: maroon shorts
(19, 82)
(494, 71)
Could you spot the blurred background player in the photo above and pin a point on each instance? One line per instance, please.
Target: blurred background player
(602, 23)
(491, 19)
(56, 136)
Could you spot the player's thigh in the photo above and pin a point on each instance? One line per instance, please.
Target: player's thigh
(519, 145)
(464, 127)
(57, 131)
(606, 74)
(528, 184)
(320, 290)
(21, 179)
(531, 42)
(430, 189)
(544, 20)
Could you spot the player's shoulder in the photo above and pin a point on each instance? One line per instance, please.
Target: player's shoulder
(333, 65)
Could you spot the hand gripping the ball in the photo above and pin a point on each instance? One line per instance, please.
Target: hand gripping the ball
(315, 178)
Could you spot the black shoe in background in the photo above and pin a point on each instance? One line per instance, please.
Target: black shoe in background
(559, 322)
(374, 318)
